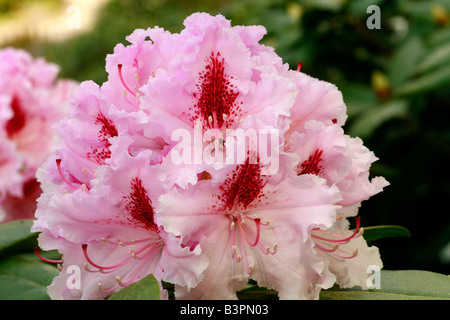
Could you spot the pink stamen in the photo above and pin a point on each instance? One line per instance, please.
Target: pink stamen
(58, 164)
(355, 253)
(256, 218)
(246, 232)
(148, 260)
(152, 247)
(233, 240)
(107, 290)
(84, 247)
(145, 260)
(258, 231)
(335, 247)
(357, 230)
(36, 251)
(265, 249)
(243, 251)
(128, 243)
(123, 82)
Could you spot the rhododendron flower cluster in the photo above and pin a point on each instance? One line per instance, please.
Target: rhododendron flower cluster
(205, 161)
(31, 101)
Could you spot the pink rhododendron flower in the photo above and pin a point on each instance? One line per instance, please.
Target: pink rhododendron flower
(327, 152)
(241, 225)
(114, 230)
(207, 162)
(31, 101)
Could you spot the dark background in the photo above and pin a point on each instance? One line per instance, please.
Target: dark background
(395, 81)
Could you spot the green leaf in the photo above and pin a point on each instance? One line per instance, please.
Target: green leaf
(25, 278)
(398, 285)
(437, 57)
(385, 231)
(358, 98)
(330, 5)
(426, 82)
(145, 289)
(368, 121)
(16, 237)
(404, 61)
(417, 9)
(438, 37)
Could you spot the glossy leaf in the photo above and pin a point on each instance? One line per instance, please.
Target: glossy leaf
(439, 36)
(16, 237)
(358, 98)
(385, 231)
(393, 285)
(426, 82)
(437, 57)
(404, 61)
(22, 277)
(398, 285)
(368, 121)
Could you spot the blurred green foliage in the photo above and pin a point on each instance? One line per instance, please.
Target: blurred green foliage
(395, 82)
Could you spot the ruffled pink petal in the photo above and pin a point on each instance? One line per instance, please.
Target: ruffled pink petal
(32, 100)
(317, 100)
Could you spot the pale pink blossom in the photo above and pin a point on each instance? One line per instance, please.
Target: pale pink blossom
(252, 227)
(326, 151)
(317, 100)
(10, 177)
(216, 82)
(31, 102)
(111, 231)
(117, 204)
(84, 139)
(210, 76)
